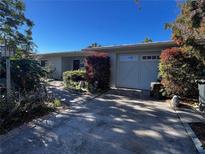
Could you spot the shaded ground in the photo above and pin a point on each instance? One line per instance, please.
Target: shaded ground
(194, 123)
(107, 124)
(19, 118)
(199, 129)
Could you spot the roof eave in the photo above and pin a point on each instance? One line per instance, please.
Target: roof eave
(142, 45)
(75, 53)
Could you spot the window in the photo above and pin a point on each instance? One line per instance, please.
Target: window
(44, 63)
(150, 57)
(128, 57)
(144, 57)
(76, 64)
(154, 57)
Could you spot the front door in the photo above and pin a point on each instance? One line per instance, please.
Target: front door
(76, 64)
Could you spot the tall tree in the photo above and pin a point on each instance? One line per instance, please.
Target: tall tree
(94, 45)
(189, 27)
(181, 66)
(147, 40)
(15, 28)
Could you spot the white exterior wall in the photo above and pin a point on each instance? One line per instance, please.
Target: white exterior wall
(67, 62)
(56, 64)
(113, 60)
(61, 64)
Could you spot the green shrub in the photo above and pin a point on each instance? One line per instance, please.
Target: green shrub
(28, 90)
(72, 78)
(57, 103)
(97, 71)
(179, 71)
(26, 74)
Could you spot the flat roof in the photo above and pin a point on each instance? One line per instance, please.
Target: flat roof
(110, 47)
(137, 45)
(63, 53)
(160, 44)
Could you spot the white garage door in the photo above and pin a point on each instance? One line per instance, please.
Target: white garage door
(137, 71)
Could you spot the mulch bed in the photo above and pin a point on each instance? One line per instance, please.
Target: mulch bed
(192, 103)
(199, 130)
(20, 118)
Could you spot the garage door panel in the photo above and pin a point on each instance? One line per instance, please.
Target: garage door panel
(133, 72)
(128, 74)
(148, 74)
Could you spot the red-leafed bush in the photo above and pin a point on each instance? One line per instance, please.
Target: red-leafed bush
(179, 70)
(97, 71)
(170, 53)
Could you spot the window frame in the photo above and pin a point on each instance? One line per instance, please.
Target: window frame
(150, 57)
(45, 62)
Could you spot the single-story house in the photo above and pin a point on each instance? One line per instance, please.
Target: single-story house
(60, 62)
(132, 66)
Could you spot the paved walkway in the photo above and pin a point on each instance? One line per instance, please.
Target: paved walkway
(109, 124)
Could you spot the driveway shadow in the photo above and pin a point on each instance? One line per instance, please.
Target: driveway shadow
(106, 124)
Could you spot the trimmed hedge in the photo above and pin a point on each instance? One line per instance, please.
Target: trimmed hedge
(97, 71)
(72, 78)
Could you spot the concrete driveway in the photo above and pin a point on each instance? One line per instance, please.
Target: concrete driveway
(108, 124)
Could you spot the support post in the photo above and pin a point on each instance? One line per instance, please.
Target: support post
(8, 78)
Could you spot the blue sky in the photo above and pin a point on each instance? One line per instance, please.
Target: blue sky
(63, 25)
